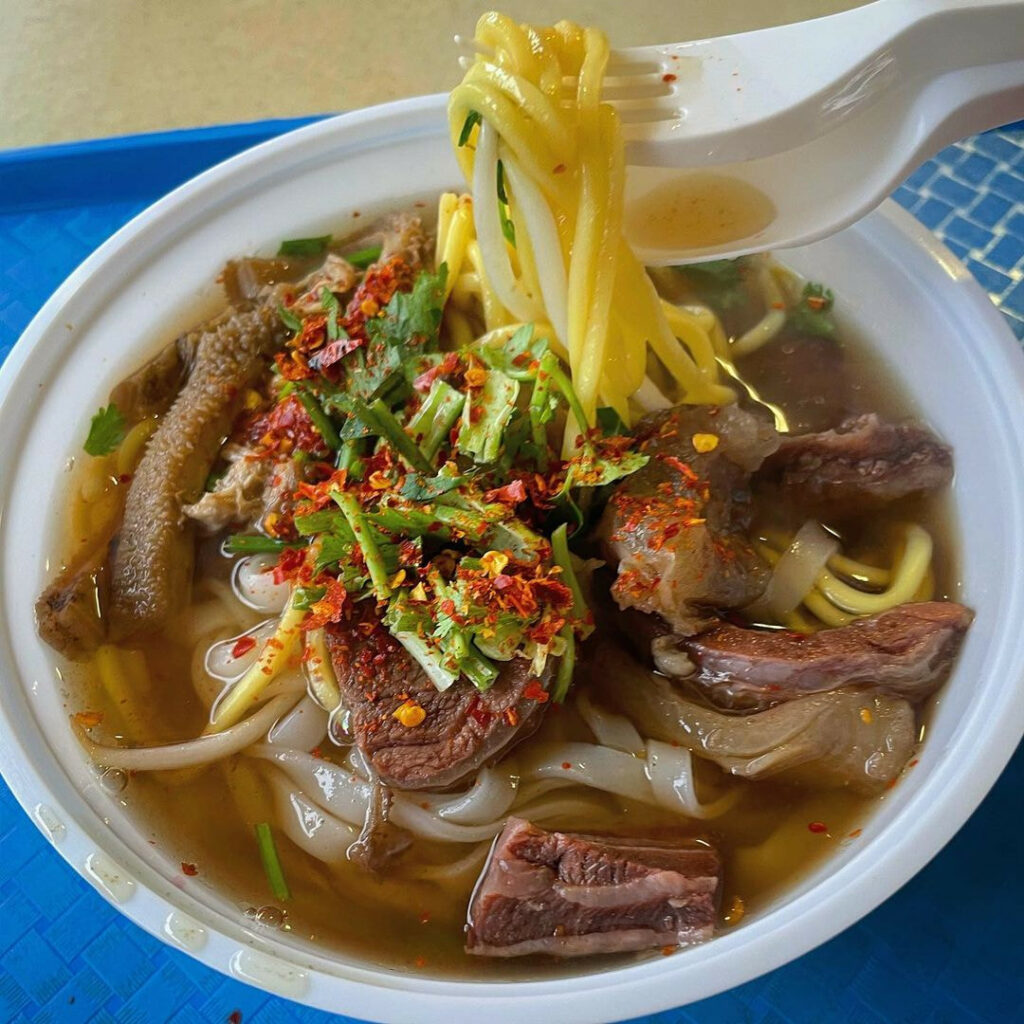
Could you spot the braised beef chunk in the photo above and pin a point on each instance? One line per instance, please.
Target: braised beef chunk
(676, 528)
(905, 651)
(68, 612)
(463, 729)
(864, 462)
(572, 895)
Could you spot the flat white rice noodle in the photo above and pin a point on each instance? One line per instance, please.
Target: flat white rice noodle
(191, 753)
(610, 730)
(303, 728)
(253, 584)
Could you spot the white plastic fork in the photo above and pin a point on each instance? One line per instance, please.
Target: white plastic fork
(823, 117)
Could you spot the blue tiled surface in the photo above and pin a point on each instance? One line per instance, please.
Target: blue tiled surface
(947, 947)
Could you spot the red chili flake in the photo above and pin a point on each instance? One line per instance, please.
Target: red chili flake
(668, 77)
(189, 869)
(681, 467)
(243, 645)
(534, 691)
(912, 763)
(510, 494)
(425, 916)
(317, 753)
(559, 169)
(448, 366)
(479, 713)
(818, 827)
(669, 950)
(511, 717)
(566, 765)
(448, 606)
(125, 478)
(420, 962)
(288, 564)
(856, 832)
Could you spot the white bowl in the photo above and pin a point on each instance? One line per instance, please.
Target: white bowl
(896, 284)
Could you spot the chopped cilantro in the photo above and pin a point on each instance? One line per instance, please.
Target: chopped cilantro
(331, 306)
(304, 246)
(306, 597)
(610, 422)
(418, 487)
(106, 431)
(812, 315)
(719, 283)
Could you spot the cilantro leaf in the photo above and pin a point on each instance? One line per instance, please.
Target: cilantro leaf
(289, 319)
(418, 487)
(334, 547)
(306, 597)
(304, 246)
(517, 356)
(610, 422)
(106, 431)
(812, 315)
(719, 283)
(331, 306)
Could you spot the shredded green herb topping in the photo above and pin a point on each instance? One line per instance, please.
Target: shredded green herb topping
(106, 431)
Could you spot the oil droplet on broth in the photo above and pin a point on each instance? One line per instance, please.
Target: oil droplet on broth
(698, 210)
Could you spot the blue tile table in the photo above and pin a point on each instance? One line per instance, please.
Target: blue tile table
(949, 946)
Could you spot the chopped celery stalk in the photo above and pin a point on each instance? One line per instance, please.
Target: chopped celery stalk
(404, 622)
(320, 419)
(550, 365)
(566, 666)
(375, 563)
(381, 420)
(563, 559)
(433, 422)
(485, 416)
(271, 862)
(479, 670)
(350, 458)
(541, 411)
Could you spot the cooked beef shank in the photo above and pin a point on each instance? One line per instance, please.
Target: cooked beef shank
(864, 463)
(463, 730)
(675, 528)
(572, 895)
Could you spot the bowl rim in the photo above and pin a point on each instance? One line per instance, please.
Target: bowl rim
(644, 987)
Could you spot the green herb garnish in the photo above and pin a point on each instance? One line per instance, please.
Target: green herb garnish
(812, 315)
(258, 544)
(106, 431)
(362, 258)
(290, 320)
(304, 246)
(467, 127)
(271, 862)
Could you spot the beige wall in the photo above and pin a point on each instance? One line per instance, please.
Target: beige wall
(72, 69)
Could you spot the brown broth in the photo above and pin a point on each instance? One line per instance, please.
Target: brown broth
(206, 818)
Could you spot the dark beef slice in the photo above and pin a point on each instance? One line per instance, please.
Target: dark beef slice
(572, 895)
(676, 528)
(864, 462)
(906, 652)
(464, 729)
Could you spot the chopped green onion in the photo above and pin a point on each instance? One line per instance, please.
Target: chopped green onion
(271, 862)
(551, 365)
(467, 127)
(304, 246)
(305, 597)
(320, 419)
(371, 553)
(508, 229)
(257, 544)
(350, 458)
(563, 559)
(362, 258)
(381, 421)
(289, 319)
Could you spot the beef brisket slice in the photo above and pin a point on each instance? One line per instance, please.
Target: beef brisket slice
(905, 652)
(864, 462)
(675, 529)
(463, 730)
(572, 895)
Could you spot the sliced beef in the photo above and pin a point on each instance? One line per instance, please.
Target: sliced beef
(865, 462)
(842, 738)
(675, 529)
(152, 565)
(573, 895)
(463, 730)
(906, 651)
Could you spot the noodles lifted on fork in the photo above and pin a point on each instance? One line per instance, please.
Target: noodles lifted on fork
(545, 161)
